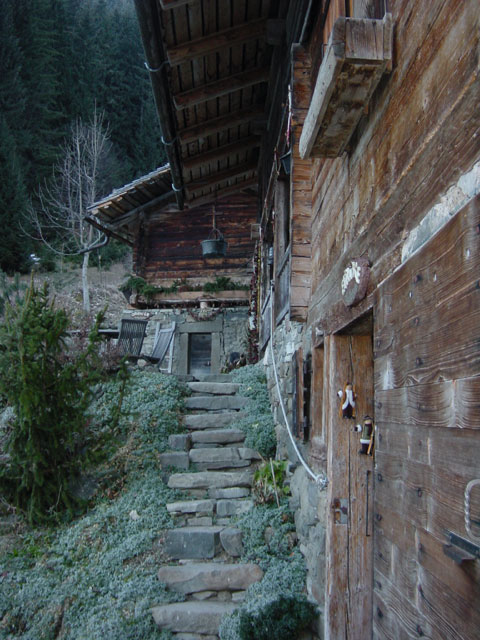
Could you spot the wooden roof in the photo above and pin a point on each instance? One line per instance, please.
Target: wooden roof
(115, 213)
(210, 64)
(219, 71)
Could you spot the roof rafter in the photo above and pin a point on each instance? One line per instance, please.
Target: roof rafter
(217, 41)
(210, 127)
(222, 193)
(210, 181)
(204, 158)
(220, 88)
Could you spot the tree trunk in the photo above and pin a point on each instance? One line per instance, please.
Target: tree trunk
(85, 287)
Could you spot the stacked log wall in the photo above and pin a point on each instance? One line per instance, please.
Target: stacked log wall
(170, 247)
(420, 136)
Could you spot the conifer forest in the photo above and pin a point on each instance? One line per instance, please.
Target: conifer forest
(60, 62)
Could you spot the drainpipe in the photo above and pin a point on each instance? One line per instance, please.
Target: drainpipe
(151, 30)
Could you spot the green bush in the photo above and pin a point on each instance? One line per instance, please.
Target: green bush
(223, 283)
(49, 391)
(281, 617)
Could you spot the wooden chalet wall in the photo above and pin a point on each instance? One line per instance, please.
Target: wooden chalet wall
(427, 409)
(168, 246)
(421, 312)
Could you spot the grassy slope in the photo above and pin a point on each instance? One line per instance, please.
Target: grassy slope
(95, 578)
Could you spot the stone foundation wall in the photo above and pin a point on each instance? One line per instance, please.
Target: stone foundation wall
(228, 329)
(308, 500)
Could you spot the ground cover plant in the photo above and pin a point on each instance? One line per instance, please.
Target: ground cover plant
(276, 607)
(95, 578)
(257, 422)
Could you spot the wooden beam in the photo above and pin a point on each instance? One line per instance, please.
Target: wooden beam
(220, 88)
(213, 179)
(174, 4)
(126, 217)
(105, 228)
(275, 32)
(210, 127)
(242, 146)
(223, 193)
(220, 40)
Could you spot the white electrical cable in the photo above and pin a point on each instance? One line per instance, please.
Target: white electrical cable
(320, 479)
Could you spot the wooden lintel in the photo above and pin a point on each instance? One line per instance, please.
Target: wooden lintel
(213, 179)
(219, 153)
(210, 127)
(220, 88)
(223, 193)
(220, 40)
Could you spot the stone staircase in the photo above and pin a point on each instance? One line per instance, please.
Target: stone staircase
(205, 546)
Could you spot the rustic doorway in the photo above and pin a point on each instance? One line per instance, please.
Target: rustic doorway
(199, 353)
(348, 358)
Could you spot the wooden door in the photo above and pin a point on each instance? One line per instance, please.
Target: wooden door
(200, 353)
(349, 540)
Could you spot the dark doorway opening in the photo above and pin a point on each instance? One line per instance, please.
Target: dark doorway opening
(199, 353)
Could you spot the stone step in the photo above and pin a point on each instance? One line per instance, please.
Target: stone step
(229, 493)
(210, 576)
(228, 508)
(210, 480)
(198, 507)
(197, 543)
(216, 436)
(180, 441)
(213, 377)
(178, 459)
(211, 420)
(214, 388)
(192, 616)
(223, 457)
(216, 403)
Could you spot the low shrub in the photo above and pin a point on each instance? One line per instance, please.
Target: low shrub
(257, 422)
(280, 616)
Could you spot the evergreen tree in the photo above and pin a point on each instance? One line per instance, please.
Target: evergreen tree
(50, 392)
(14, 247)
(59, 61)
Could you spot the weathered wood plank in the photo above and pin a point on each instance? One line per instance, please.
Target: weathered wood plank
(215, 155)
(223, 39)
(220, 88)
(222, 123)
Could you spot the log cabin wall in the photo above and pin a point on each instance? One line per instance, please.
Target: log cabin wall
(169, 248)
(411, 171)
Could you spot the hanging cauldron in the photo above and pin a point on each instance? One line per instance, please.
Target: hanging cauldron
(215, 245)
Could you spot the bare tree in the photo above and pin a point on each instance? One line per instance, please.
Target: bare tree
(59, 220)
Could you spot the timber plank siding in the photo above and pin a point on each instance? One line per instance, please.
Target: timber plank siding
(172, 247)
(428, 432)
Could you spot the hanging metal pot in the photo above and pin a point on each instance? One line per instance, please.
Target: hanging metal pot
(215, 245)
